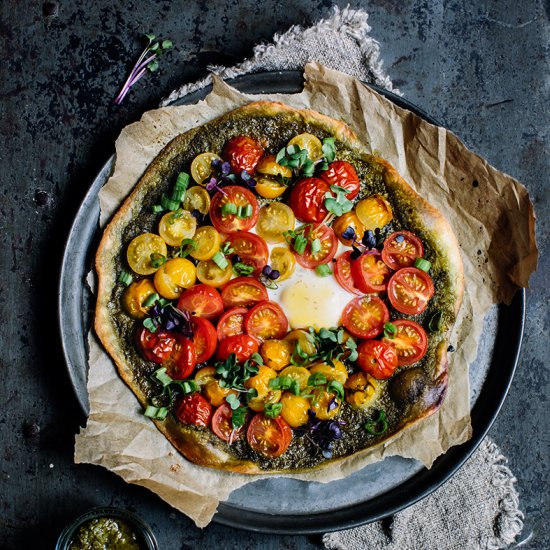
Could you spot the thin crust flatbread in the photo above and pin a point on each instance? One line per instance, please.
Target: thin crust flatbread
(417, 391)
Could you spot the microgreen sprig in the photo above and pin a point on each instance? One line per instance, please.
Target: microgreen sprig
(148, 61)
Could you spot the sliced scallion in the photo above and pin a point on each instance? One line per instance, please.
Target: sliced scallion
(125, 278)
(168, 204)
(162, 377)
(323, 270)
(157, 209)
(150, 300)
(158, 413)
(229, 208)
(315, 246)
(178, 194)
(299, 244)
(248, 211)
(423, 264)
(182, 182)
(157, 259)
(220, 260)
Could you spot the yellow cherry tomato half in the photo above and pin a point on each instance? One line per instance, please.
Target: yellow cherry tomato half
(294, 409)
(361, 389)
(207, 241)
(176, 226)
(321, 404)
(201, 167)
(260, 382)
(283, 261)
(270, 167)
(204, 376)
(301, 337)
(197, 198)
(341, 223)
(269, 188)
(374, 211)
(274, 219)
(135, 295)
(276, 353)
(310, 143)
(215, 393)
(174, 276)
(301, 374)
(140, 250)
(338, 372)
(209, 273)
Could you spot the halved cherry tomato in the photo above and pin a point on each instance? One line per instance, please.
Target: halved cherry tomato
(349, 219)
(377, 358)
(176, 226)
(325, 404)
(374, 212)
(238, 196)
(283, 261)
(201, 167)
(154, 346)
(207, 241)
(365, 317)
(295, 409)
(251, 248)
(310, 143)
(204, 338)
(410, 290)
(410, 341)
(243, 292)
(222, 425)
(401, 249)
(183, 358)
(243, 153)
(342, 174)
(264, 394)
(329, 246)
(268, 166)
(307, 200)
(211, 274)
(231, 322)
(277, 353)
(342, 272)
(266, 320)
(268, 188)
(274, 219)
(135, 295)
(242, 345)
(140, 250)
(362, 389)
(337, 372)
(202, 301)
(194, 409)
(370, 273)
(269, 436)
(174, 276)
(196, 198)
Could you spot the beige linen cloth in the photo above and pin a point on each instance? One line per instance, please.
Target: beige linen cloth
(479, 507)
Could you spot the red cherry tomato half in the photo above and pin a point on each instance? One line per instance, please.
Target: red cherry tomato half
(377, 358)
(205, 338)
(266, 320)
(370, 273)
(242, 345)
(231, 322)
(201, 301)
(401, 249)
(269, 436)
(222, 425)
(342, 174)
(410, 341)
(307, 200)
(410, 290)
(243, 292)
(154, 346)
(181, 362)
(251, 248)
(365, 317)
(329, 246)
(243, 153)
(342, 272)
(237, 196)
(194, 409)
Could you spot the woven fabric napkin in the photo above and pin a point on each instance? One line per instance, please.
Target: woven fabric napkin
(479, 507)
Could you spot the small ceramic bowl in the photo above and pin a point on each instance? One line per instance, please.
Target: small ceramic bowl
(142, 530)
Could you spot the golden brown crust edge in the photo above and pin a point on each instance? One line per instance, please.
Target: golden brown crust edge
(189, 442)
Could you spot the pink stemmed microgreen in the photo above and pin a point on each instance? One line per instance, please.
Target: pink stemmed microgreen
(148, 61)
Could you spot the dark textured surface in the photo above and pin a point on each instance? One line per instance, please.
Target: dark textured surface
(483, 70)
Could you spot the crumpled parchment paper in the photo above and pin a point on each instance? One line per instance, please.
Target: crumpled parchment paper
(489, 211)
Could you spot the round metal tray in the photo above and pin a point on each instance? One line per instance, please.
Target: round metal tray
(282, 505)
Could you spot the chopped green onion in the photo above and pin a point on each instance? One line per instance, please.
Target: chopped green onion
(317, 379)
(186, 247)
(178, 194)
(315, 246)
(372, 426)
(157, 259)
(168, 204)
(158, 413)
(229, 208)
(248, 211)
(182, 182)
(125, 278)
(149, 324)
(157, 209)
(423, 264)
(243, 269)
(150, 300)
(220, 260)
(323, 270)
(390, 330)
(188, 386)
(162, 377)
(273, 410)
(299, 244)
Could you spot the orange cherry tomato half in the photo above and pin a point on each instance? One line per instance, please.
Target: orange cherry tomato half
(231, 322)
(251, 248)
(401, 249)
(409, 290)
(266, 320)
(242, 345)
(243, 153)
(223, 427)
(377, 358)
(342, 174)
(243, 292)
(328, 247)
(342, 272)
(370, 273)
(307, 200)
(237, 196)
(194, 409)
(205, 338)
(365, 317)
(202, 301)
(181, 362)
(410, 341)
(269, 436)
(154, 346)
